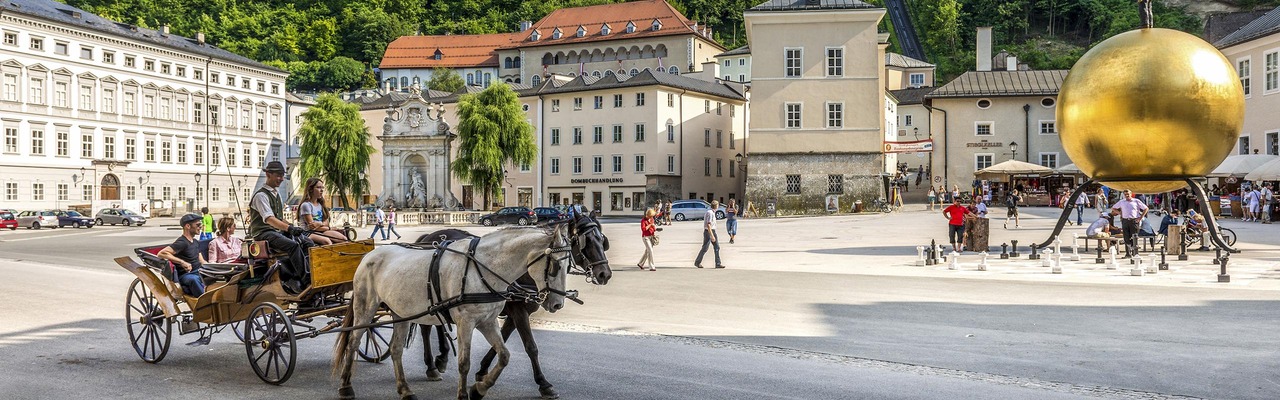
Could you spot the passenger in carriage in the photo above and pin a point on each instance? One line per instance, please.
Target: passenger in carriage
(265, 223)
(185, 255)
(313, 214)
(225, 248)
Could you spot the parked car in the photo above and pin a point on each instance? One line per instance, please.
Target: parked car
(682, 210)
(8, 220)
(119, 216)
(510, 215)
(38, 219)
(549, 213)
(74, 219)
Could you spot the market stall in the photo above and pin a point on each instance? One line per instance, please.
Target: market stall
(1026, 177)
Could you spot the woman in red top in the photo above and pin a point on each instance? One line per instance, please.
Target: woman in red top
(647, 230)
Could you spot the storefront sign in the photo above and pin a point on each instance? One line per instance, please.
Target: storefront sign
(596, 180)
(984, 144)
(908, 147)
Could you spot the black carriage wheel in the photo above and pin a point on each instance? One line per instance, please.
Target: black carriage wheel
(149, 330)
(238, 328)
(270, 344)
(376, 344)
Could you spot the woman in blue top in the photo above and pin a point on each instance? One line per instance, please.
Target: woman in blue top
(313, 214)
(731, 219)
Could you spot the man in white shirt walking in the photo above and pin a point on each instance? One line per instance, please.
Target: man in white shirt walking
(709, 235)
(1267, 198)
(1132, 211)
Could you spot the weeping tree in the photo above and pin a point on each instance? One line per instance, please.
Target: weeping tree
(492, 133)
(335, 147)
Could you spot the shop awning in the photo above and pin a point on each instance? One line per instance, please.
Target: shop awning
(1265, 172)
(1069, 169)
(1240, 165)
(1013, 167)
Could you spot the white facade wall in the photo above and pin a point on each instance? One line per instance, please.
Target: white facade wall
(69, 118)
(735, 68)
(399, 79)
(1257, 63)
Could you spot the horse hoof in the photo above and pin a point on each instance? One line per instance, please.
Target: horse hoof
(433, 375)
(548, 393)
(475, 394)
(346, 393)
(442, 363)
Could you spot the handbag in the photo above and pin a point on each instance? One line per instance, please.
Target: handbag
(654, 239)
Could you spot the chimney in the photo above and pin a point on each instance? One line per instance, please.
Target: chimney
(200, 37)
(984, 48)
(525, 25)
(1011, 64)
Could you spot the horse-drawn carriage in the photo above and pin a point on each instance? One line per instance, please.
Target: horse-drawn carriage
(246, 296)
(347, 294)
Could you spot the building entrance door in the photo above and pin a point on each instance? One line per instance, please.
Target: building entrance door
(597, 200)
(467, 197)
(109, 188)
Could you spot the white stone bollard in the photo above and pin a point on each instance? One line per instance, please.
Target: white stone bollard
(1112, 264)
(919, 256)
(1151, 267)
(954, 263)
(1075, 247)
(1057, 264)
(982, 266)
(1137, 269)
(1047, 258)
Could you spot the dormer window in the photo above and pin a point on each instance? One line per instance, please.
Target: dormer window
(581, 31)
(631, 27)
(656, 25)
(439, 55)
(604, 29)
(535, 36)
(556, 34)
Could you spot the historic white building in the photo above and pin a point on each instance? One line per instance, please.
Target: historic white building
(96, 113)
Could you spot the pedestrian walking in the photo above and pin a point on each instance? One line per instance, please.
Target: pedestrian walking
(1252, 201)
(207, 220)
(731, 219)
(1100, 202)
(666, 212)
(648, 235)
(391, 222)
(933, 197)
(709, 235)
(1011, 201)
(1132, 211)
(379, 218)
(955, 222)
(1082, 202)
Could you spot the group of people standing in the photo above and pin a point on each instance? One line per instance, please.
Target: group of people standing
(1257, 202)
(653, 216)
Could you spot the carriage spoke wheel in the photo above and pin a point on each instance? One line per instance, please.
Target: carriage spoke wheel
(149, 330)
(270, 343)
(376, 344)
(237, 328)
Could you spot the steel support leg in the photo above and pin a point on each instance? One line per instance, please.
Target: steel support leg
(1066, 215)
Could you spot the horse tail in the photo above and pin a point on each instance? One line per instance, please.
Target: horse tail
(344, 339)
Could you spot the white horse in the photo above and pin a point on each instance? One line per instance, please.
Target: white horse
(399, 278)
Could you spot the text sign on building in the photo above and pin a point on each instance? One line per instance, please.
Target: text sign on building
(596, 180)
(984, 144)
(908, 147)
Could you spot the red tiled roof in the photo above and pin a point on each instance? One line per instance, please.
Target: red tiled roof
(458, 50)
(592, 18)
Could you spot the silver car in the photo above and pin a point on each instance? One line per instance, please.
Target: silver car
(682, 210)
(38, 219)
(119, 216)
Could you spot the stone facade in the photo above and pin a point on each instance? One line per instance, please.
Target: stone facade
(859, 181)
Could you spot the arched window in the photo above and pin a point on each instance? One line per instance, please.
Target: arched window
(471, 78)
(508, 80)
(515, 63)
(517, 80)
(487, 78)
(506, 62)
(535, 80)
(404, 81)
(595, 73)
(673, 70)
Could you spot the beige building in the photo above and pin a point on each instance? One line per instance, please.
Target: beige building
(905, 72)
(819, 103)
(976, 117)
(735, 65)
(619, 145)
(1255, 51)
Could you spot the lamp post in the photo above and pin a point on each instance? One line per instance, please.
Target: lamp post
(196, 201)
(1013, 149)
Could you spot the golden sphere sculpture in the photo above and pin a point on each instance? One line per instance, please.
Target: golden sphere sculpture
(1148, 108)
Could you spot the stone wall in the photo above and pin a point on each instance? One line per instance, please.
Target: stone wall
(766, 179)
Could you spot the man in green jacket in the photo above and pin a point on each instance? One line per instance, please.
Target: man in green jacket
(207, 219)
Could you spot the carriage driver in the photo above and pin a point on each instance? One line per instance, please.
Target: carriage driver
(185, 255)
(266, 222)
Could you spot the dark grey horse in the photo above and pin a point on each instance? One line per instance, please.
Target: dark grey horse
(587, 237)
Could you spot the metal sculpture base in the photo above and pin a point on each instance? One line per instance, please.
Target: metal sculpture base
(1211, 223)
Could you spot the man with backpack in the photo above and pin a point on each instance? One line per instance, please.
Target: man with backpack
(1011, 200)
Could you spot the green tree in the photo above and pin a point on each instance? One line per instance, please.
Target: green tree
(335, 147)
(341, 73)
(492, 132)
(445, 80)
(320, 40)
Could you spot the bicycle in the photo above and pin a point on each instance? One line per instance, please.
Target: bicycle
(882, 205)
(1196, 235)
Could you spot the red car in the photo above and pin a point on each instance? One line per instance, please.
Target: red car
(8, 220)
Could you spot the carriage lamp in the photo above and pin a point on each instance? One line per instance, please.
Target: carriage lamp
(77, 179)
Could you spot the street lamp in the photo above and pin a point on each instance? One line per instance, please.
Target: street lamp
(742, 165)
(77, 179)
(1013, 149)
(147, 180)
(916, 131)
